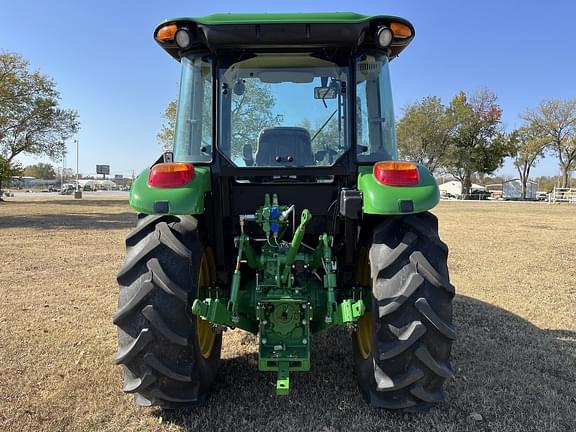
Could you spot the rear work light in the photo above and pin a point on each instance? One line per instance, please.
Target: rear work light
(393, 173)
(168, 175)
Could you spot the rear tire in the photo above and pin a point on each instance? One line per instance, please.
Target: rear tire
(402, 346)
(161, 346)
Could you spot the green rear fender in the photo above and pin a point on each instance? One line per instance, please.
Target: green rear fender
(392, 200)
(185, 200)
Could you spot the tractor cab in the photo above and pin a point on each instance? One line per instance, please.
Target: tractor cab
(291, 92)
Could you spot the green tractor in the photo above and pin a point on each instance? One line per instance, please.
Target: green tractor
(283, 211)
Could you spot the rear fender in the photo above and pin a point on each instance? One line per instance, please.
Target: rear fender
(394, 200)
(184, 200)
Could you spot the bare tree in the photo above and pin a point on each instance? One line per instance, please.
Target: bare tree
(527, 148)
(554, 122)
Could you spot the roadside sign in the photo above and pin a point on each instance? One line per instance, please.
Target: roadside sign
(102, 169)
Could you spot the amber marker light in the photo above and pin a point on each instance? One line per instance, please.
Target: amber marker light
(167, 32)
(168, 175)
(401, 31)
(394, 173)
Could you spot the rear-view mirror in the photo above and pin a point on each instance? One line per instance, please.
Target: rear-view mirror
(325, 93)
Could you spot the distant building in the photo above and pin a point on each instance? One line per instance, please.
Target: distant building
(495, 190)
(453, 189)
(26, 182)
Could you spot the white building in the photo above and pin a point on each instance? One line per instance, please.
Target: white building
(28, 182)
(454, 189)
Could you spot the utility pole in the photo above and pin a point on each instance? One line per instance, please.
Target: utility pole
(62, 172)
(77, 160)
(78, 193)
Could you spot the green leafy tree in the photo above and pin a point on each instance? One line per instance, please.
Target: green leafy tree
(41, 171)
(166, 134)
(554, 122)
(31, 120)
(424, 133)
(527, 149)
(477, 144)
(7, 171)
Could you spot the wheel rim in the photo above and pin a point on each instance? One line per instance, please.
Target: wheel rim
(364, 330)
(206, 337)
(364, 334)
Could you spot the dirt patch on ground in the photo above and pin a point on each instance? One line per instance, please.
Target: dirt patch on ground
(512, 265)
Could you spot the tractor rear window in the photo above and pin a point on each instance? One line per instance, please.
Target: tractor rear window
(283, 110)
(193, 137)
(375, 128)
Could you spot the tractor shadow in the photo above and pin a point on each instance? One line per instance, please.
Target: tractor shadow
(69, 202)
(515, 375)
(67, 220)
(58, 214)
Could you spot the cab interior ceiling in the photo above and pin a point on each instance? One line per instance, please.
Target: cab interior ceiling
(348, 36)
(287, 57)
(277, 68)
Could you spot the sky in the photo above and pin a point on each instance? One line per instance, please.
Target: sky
(107, 66)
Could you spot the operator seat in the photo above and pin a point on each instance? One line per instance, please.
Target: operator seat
(284, 146)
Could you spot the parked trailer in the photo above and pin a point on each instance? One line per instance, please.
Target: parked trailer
(512, 189)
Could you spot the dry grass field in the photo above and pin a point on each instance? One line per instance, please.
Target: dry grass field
(513, 266)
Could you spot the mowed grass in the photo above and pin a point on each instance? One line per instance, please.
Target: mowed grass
(515, 360)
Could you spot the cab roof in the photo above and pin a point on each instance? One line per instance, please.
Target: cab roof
(346, 30)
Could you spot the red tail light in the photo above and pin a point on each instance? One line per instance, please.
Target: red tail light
(392, 173)
(167, 175)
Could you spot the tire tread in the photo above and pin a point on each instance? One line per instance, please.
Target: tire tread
(412, 328)
(158, 350)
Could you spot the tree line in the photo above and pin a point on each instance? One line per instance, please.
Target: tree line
(45, 171)
(466, 138)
